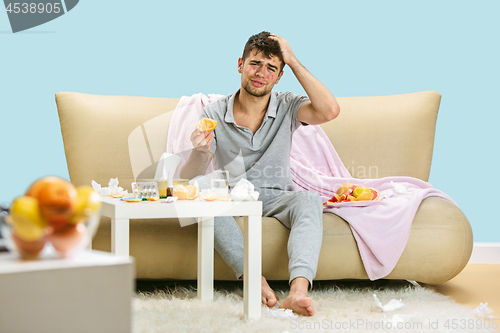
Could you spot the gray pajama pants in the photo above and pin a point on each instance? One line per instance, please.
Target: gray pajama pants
(299, 211)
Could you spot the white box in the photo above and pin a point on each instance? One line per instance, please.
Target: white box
(91, 292)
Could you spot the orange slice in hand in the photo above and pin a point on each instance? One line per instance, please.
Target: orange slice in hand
(206, 124)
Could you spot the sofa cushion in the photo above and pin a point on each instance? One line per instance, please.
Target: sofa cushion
(438, 248)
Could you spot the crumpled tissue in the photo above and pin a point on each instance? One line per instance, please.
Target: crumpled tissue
(112, 189)
(399, 188)
(391, 306)
(396, 190)
(483, 311)
(281, 313)
(244, 191)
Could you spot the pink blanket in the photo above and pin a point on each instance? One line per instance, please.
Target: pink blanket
(381, 229)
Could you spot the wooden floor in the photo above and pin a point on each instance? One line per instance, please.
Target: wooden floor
(475, 284)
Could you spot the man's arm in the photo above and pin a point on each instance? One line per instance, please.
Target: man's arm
(323, 106)
(200, 156)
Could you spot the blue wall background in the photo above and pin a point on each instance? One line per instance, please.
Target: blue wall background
(356, 48)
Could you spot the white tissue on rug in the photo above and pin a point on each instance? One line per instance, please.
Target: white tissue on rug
(337, 310)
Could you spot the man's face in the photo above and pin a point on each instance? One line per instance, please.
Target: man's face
(258, 73)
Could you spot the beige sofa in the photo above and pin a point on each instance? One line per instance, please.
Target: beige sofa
(121, 136)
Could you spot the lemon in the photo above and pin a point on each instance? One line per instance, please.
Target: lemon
(25, 218)
(360, 190)
(88, 202)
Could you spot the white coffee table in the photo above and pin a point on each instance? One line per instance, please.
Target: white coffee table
(121, 212)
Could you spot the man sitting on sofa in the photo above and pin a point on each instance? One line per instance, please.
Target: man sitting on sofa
(257, 123)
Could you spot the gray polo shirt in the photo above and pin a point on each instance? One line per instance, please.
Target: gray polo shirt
(264, 157)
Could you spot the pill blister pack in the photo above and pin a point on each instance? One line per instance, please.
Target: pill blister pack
(145, 189)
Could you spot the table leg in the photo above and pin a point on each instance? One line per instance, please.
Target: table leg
(253, 266)
(206, 259)
(120, 237)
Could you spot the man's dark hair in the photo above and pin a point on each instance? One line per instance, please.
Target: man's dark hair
(262, 43)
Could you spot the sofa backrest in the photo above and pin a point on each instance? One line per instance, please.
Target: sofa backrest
(122, 136)
(383, 136)
(113, 136)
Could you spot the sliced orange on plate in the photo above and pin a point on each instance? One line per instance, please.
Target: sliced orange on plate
(117, 195)
(187, 192)
(132, 199)
(206, 124)
(224, 197)
(210, 196)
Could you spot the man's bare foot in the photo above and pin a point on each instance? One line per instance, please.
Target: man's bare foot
(269, 298)
(297, 299)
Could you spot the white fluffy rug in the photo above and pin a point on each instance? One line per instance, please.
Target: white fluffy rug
(340, 307)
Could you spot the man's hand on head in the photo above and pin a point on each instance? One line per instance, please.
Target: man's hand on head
(288, 56)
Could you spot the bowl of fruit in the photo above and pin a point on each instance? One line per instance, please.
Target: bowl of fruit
(52, 216)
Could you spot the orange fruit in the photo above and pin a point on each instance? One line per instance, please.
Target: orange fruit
(66, 238)
(193, 192)
(206, 124)
(346, 188)
(350, 198)
(188, 192)
(224, 197)
(117, 196)
(209, 196)
(180, 191)
(35, 187)
(56, 199)
(28, 249)
(132, 199)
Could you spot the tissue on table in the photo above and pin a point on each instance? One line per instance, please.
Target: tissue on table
(113, 189)
(244, 191)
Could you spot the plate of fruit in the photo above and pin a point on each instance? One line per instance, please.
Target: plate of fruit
(353, 195)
